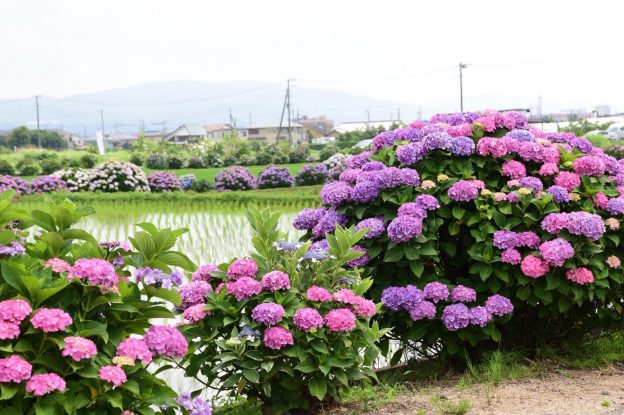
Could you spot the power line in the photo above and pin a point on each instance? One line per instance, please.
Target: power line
(559, 59)
(122, 104)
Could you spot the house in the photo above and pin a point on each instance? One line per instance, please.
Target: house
(347, 127)
(323, 140)
(317, 127)
(186, 133)
(219, 131)
(153, 135)
(113, 140)
(267, 132)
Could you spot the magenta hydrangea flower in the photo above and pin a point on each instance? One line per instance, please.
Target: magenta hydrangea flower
(268, 313)
(423, 310)
(567, 180)
(242, 267)
(363, 307)
(277, 337)
(340, 319)
(14, 311)
(95, 271)
(58, 265)
(8, 330)
(463, 191)
(375, 227)
(275, 280)
(244, 288)
(436, 292)
(135, 349)
(50, 320)
(14, 369)
(193, 293)
(556, 252)
(534, 267)
(79, 348)
(511, 256)
(514, 169)
(318, 294)
(166, 341)
(113, 374)
(456, 317)
(504, 239)
(195, 313)
(336, 193)
(529, 239)
(498, 305)
(345, 296)
(580, 275)
(589, 166)
(404, 228)
(45, 383)
(307, 319)
(412, 209)
(548, 169)
(204, 272)
(480, 316)
(463, 294)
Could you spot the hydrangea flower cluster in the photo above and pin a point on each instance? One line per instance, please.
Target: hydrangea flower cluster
(45, 383)
(194, 293)
(194, 406)
(423, 304)
(235, 178)
(204, 272)
(46, 184)
(275, 177)
(163, 181)
(79, 348)
(311, 174)
(275, 280)
(165, 341)
(95, 271)
(50, 320)
(242, 267)
(135, 349)
(268, 313)
(154, 276)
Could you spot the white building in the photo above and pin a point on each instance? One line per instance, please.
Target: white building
(347, 127)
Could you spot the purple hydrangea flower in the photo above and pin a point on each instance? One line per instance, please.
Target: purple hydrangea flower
(365, 191)
(456, 316)
(423, 310)
(532, 183)
(498, 305)
(412, 209)
(463, 191)
(336, 193)
(308, 218)
(520, 135)
(560, 194)
(275, 177)
(410, 154)
(427, 202)
(556, 252)
(164, 181)
(404, 228)
(235, 178)
(615, 206)
(480, 316)
(436, 291)
(328, 223)
(268, 313)
(462, 146)
(511, 256)
(463, 294)
(505, 239)
(375, 227)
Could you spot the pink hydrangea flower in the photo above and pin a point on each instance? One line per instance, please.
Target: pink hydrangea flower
(514, 169)
(96, 271)
(277, 337)
(166, 341)
(45, 383)
(14, 311)
(135, 349)
(51, 320)
(534, 267)
(275, 280)
(580, 275)
(600, 200)
(567, 180)
(363, 307)
(242, 267)
(14, 369)
(8, 330)
(204, 272)
(613, 261)
(307, 319)
(268, 313)
(79, 348)
(340, 319)
(195, 313)
(548, 169)
(318, 294)
(113, 374)
(193, 293)
(244, 288)
(58, 265)
(511, 256)
(345, 296)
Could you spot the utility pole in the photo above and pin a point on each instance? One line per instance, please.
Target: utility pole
(288, 107)
(38, 130)
(461, 86)
(368, 114)
(102, 121)
(399, 114)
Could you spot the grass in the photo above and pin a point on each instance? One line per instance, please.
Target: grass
(370, 397)
(446, 407)
(304, 195)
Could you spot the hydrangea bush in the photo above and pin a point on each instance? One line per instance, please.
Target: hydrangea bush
(75, 330)
(235, 178)
(118, 176)
(163, 181)
(275, 177)
(287, 327)
(311, 174)
(483, 200)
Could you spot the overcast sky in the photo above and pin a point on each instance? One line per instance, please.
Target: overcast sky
(567, 51)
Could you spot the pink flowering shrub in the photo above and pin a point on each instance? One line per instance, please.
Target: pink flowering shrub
(75, 328)
(287, 325)
(509, 210)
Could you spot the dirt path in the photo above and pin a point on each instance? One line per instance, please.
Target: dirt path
(569, 392)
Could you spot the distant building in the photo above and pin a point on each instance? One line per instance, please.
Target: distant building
(185, 133)
(603, 110)
(316, 127)
(113, 140)
(267, 132)
(347, 127)
(219, 131)
(323, 140)
(153, 135)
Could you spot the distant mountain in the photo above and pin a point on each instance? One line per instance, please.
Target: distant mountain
(165, 105)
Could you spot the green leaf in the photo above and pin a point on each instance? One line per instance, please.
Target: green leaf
(176, 259)
(8, 390)
(307, 366)
(173, 296)
(251, 375)
(318, 388)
